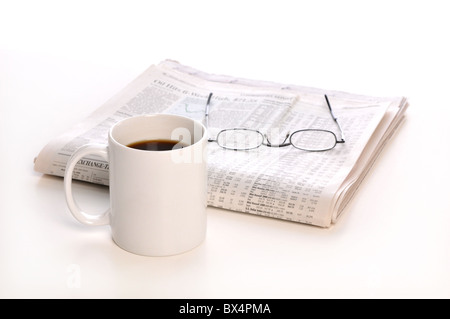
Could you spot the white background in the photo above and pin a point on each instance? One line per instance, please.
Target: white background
(60, 60)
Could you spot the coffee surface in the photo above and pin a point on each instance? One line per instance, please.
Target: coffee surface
(157, 145)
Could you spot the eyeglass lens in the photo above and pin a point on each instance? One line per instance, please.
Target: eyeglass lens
(240, 139)
(313, 140)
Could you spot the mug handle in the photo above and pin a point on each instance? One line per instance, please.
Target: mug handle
(81, 216)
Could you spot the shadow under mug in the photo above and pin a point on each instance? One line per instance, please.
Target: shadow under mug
(157, 198)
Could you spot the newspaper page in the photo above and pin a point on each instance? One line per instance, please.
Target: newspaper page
(285, 183)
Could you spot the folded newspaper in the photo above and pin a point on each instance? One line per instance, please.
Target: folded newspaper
(279, 182)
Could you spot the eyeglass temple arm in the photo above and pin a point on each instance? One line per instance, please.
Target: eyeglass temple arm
(335, 119)
(207, 110)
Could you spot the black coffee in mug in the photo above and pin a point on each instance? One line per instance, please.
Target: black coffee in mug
(157, 145)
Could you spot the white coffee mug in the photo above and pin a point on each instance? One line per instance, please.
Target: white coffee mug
(157, 198)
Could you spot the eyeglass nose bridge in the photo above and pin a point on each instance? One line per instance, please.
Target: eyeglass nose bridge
(282, 144)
